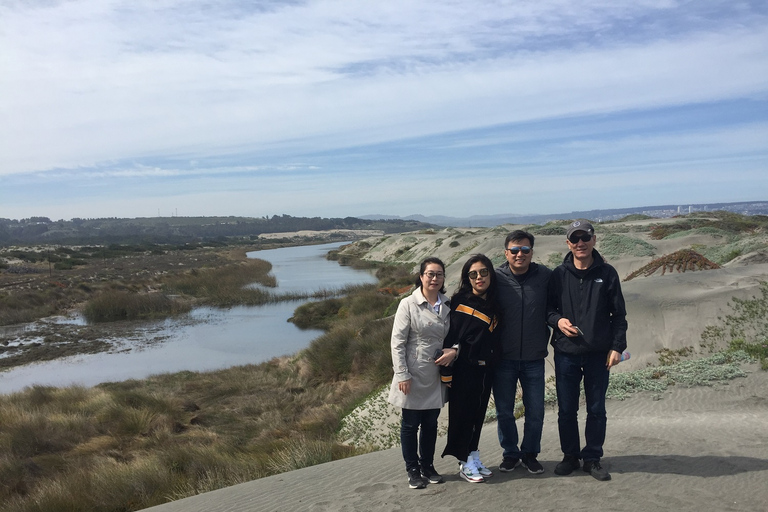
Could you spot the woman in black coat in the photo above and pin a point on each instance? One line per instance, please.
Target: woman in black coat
(474, 340)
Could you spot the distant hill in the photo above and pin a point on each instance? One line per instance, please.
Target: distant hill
(663, 211)
(42, 230)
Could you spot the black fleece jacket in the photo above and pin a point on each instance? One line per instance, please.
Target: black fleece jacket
(592, 300)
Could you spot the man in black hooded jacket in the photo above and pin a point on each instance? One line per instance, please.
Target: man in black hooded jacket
(587, 313)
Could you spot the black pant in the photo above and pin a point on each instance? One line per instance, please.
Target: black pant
(469, 394)
(418, 447)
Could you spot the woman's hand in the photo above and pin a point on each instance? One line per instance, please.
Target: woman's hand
(449, 354)
(404, 386)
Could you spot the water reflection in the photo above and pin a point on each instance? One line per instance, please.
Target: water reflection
(209, 338)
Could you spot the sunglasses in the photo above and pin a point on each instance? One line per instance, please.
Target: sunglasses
(473, 274)
(433, 275)
(574, 238)
(516, 249)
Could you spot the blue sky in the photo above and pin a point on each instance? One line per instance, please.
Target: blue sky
(134, 108)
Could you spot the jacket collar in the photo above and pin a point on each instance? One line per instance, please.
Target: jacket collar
(445, 308)
(504, 268)
(598, 261)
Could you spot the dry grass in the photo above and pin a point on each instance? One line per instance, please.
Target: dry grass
(131, 445)
(135, 444)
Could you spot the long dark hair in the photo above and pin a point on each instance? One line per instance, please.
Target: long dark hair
(465, 287)
(423, 266)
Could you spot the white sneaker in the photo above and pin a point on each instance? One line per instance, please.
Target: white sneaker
(468, 471)
(484, 471)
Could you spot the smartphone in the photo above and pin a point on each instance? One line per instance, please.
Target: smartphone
(438, 354)
(581, 333)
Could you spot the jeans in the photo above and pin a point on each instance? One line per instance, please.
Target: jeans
(418, 446)
(531, 377)
(570, 369)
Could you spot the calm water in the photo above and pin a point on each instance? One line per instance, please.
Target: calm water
(217, 338)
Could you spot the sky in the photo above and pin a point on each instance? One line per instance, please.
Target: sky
(321, 108)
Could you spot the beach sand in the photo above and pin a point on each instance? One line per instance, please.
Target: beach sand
(692, 449)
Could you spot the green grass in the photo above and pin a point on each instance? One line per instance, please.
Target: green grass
(621, 245)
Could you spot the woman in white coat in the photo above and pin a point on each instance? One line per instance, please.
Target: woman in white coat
(421, 323)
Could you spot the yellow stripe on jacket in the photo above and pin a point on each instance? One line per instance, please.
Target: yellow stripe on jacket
(477, 314)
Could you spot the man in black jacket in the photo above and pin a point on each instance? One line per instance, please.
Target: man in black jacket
(524, 333)
(587, 313)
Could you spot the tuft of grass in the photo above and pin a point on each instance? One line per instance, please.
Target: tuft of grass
(116, 305)
(554, 259)
(668, 356)
(618, 245)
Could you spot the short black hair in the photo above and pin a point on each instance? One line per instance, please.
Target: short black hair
(517, 234)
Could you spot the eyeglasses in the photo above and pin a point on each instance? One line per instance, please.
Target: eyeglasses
(574, 238)
(516, 249)
(473, 274)
(433, 275)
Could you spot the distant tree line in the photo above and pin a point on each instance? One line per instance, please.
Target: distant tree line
(42, 230)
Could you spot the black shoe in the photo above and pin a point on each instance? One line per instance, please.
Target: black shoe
(529, 461)
(594, 468)
(414, 479)
(432, 476)
(568, 465)
(509, 464)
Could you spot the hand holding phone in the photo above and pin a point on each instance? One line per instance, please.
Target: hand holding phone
(581, 333)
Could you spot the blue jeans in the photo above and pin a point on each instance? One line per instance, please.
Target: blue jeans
(531, 376)
(418, 446)
(569, 371)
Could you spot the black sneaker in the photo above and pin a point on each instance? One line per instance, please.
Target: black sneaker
(509, 464)
(414, 479)
(568, 465)
(529, 461)
(431, 475)
(594, 468)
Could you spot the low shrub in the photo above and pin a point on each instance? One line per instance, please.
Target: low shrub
(116, 305)
(619, 245)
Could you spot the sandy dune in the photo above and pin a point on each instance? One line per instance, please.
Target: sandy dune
(695, 449)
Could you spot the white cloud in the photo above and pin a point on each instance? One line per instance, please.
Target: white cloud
(91, 86)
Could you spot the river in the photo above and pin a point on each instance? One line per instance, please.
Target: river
(206, 338)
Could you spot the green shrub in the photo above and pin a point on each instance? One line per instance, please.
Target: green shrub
(619, 245)
(745, 329)
(554, 259)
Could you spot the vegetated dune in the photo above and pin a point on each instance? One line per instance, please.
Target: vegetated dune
(687, 448)
(666, 310)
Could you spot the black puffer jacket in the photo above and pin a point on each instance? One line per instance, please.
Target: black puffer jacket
(524, 332)
(592, 300)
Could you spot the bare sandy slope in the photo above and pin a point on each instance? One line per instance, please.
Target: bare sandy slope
(696, 449)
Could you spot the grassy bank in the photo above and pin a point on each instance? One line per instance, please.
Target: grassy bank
(130, 445)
